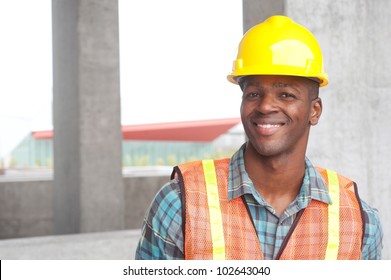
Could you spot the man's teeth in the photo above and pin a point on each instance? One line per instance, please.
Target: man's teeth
(268, 125)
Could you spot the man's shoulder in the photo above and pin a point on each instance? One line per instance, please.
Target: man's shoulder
(166, 207)
(169, 193)
(372, 214)
(373, 233)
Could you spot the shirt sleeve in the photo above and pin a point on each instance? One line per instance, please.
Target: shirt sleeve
(373, 236)
(161, 235)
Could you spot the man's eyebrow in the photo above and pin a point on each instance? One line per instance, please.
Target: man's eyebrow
(281, 85)
(250, 83)
(275, 85)
(285, 85)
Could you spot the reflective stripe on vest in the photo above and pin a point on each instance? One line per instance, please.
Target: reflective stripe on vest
(216, 228)
(333, 217)
(216, 224)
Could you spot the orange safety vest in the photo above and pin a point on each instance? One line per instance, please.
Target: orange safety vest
(215, 228)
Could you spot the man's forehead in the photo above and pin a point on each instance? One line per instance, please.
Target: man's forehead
(276, 81)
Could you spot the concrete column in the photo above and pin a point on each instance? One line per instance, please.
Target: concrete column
(88, 191)
(256, 11)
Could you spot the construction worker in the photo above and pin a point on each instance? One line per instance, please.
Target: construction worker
(268, 201)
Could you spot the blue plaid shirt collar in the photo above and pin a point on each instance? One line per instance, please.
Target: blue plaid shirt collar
(239, 183)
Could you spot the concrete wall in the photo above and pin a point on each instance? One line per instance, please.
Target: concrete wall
(26, 207)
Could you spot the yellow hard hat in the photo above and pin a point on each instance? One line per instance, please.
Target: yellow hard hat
(279, 46)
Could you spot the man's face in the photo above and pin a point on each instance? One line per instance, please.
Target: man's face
(277, 112)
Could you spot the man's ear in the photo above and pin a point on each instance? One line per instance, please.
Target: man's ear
(316, 111)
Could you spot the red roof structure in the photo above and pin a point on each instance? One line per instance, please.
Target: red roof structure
(47, 134)
(194, 131)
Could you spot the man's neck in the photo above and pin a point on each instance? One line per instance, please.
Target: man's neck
(278, 178)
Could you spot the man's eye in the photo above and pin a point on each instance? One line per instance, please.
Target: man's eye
(287, 95)
(252, 95)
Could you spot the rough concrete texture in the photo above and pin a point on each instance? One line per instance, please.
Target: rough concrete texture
(26, 208)
(354, 132)
(255, 11)
(139, 193)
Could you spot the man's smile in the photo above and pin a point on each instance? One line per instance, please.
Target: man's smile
(268, 128)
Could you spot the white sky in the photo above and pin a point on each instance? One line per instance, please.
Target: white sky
(175, 56)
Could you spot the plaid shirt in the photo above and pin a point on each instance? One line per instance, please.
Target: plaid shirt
(162, 235)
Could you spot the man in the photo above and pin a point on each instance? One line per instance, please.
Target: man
(268, 201)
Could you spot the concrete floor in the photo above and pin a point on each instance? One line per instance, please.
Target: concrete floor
(115, 245)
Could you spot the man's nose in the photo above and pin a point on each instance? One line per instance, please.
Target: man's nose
(267, 104)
